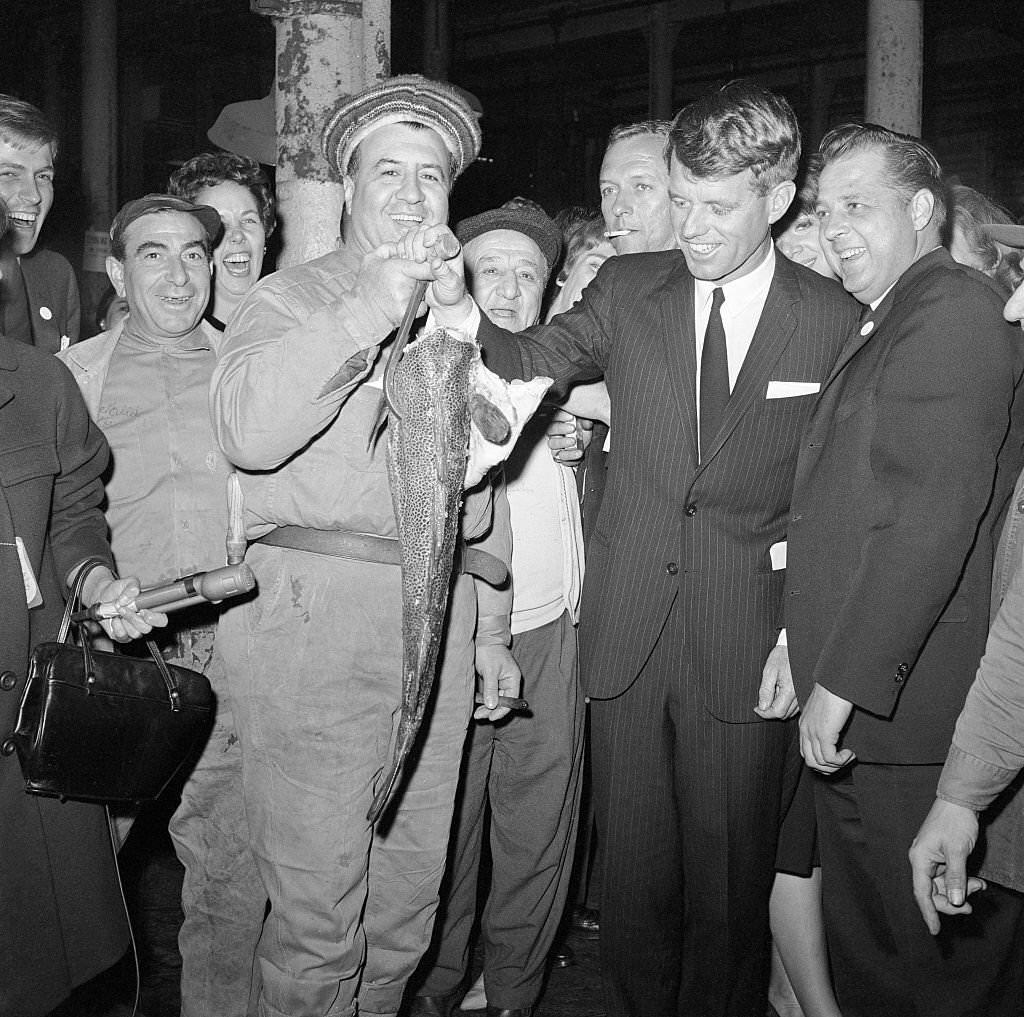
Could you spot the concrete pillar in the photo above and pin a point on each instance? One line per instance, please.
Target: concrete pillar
(894, 64)
(322, 53)
(661, 41)
(376, 40)
(99, 141)
(437, 40)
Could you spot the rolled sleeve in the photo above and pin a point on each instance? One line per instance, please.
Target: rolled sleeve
(294, 351)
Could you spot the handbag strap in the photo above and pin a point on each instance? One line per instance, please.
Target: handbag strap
(75, 595)
(173, 692)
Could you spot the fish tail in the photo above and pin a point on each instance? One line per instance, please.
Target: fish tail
(390, 784)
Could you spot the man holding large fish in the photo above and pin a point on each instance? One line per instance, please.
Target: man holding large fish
(328, 682)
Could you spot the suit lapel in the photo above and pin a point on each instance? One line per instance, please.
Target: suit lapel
(8, 362)
(771, 336)
(680, 344)
(872, 320)
(862, 332)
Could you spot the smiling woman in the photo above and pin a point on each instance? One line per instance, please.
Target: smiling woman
(239, 189)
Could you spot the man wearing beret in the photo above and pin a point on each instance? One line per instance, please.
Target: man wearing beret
(528, 767)
(315, 662)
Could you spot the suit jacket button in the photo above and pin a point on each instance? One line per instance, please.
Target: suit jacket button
(8, 680)
(671, 568)
(691, 509)
(7, 747)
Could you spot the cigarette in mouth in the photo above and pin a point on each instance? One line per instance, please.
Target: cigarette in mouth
(611, 234)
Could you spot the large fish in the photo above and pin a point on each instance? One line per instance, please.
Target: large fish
(442, 402)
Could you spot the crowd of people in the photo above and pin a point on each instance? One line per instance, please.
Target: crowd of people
(741, 566)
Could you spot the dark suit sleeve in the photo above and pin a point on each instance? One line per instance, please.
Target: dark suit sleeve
(572, 348)
(78, 529)
(941, 413)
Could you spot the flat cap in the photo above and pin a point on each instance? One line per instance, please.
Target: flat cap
(408, 97)
(523, 216)
(209, 217)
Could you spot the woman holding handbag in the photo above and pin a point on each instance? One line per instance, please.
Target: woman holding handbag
(61, 915)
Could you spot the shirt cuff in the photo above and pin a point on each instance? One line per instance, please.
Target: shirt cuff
(470, 325)
(971, 782)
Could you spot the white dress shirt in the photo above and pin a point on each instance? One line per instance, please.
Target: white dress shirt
(741, 311)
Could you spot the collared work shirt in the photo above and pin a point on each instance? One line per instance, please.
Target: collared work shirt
(167, 490)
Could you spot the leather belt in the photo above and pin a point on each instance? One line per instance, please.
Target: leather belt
(383, 550)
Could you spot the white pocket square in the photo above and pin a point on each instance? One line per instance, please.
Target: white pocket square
(789, 389)
(777, 553)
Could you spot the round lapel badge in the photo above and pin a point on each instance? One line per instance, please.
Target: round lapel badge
(867, 328)
(45, 313)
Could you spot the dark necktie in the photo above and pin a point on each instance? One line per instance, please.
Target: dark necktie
(15, 320)
(714, 375)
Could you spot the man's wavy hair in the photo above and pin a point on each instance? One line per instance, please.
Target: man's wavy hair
(971, 211)
(911, 164)
(639, 129)
(22, 125)
(741, 126)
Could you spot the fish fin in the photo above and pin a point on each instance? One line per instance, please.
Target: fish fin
(383, 796)
(380, 419)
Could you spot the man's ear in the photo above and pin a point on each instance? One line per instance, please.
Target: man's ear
(780, 197)
(922, 208)
(115, 273)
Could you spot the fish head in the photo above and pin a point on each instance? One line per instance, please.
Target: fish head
(499, 410)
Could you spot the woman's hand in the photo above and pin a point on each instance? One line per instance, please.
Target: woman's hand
(118, 596)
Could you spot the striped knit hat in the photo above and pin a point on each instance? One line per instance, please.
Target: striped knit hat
(404, 98)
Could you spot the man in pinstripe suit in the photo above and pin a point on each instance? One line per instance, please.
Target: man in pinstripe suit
(681, 604)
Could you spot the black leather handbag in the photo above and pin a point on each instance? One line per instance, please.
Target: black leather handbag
(97, 726)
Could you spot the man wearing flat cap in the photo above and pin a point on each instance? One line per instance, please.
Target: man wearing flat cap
(315, 662)
(528, 767)
(146, 383)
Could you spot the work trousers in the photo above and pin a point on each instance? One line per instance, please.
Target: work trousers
(884, 960)
(276, 811)
(528, 767)
(688, 810)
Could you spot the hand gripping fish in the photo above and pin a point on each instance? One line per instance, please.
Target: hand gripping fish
(443, 404)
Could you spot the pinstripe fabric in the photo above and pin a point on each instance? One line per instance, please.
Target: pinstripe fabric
(635, 325)
(688, 810)
(680, 609)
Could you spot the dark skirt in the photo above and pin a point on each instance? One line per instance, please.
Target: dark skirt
(797, 851)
